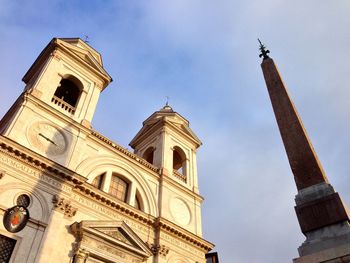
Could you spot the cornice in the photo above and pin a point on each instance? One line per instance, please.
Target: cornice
(124, 151)
(8, 114)
(80, 185)
(175, 230)
(69, 54)
(162, 123)
(146, 164)
(93, 134)
(176, 129)
(181, 187)
(145, 132)
(50, 49)
(47, 107)
(89, 48)
(37, 161)
(113, 203)
(89, 132)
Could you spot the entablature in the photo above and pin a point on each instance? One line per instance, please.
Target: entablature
(175, 230)
(110, 240)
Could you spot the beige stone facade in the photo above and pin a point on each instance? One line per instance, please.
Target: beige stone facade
(91, 200)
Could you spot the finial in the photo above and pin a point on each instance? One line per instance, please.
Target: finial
(263, 50)
(167, 101)
(167, 108)
(86, 39)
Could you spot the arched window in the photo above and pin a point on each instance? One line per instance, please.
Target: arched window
(179, 160)
(138, 202)
(98, 180)
(67, 93)
(148, 155)
(119, 187)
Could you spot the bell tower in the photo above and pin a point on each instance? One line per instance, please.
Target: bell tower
(167, 142)
(58, 103)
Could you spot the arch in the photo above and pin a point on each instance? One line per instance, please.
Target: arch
(69, 90)
(93, 166)
(98, 180)
(149, 154)
(38, 201)
(179, 160)
(138, 201)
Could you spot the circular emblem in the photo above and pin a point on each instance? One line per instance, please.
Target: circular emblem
(47, 138)
(16, 218)
(180, 211)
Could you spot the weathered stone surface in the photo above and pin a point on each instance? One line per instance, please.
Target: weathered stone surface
(325, 211)
(305, 165)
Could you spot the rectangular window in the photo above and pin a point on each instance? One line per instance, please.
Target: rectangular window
(6, 248)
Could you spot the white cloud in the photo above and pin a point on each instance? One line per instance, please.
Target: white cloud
(203, 54)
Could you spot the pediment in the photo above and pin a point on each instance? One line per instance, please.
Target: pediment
(85, 52)
(117, 233)
(78, 50)
(110, 239)
(151, 125)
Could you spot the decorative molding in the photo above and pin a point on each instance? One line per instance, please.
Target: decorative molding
(36, 93)
(180, 176)
(161, 250)
(173, 230)
(91, 193)
(62, 205)
(86, 123)
(81, 255)
(125, 151)
(56, 54)
(115, 233)
(47, 167)
(114, 248)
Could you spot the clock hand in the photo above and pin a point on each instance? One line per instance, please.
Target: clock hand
(49, 140)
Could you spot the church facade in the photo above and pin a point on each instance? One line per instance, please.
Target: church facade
(89, 199)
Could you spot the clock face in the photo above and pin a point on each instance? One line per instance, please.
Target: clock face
(47, 138)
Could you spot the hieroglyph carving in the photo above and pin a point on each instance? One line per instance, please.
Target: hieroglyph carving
(62, 205)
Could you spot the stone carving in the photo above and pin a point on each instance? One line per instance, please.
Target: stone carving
(81, 255)
(116, 234)
(64, 206)
(161, 250)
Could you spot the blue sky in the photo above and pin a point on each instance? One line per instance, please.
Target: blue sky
(204, 56)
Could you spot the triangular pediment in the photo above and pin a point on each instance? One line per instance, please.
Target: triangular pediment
(117, 233)
(84, 51)
(114, 234)
(76, 49)
(79, 44)
(156, 121)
